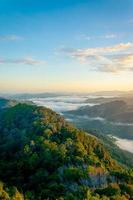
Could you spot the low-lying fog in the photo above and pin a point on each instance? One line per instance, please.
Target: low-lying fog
(124, 144)
(73, 102)
(71, 117)
(62, 103)
(121, 124)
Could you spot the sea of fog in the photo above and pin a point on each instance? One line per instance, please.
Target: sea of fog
(73, 102)
(63, 103)
(124, 144)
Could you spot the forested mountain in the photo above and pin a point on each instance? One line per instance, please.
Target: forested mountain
(116, 111)
(113, 117)
(44, 157)
(122, 156)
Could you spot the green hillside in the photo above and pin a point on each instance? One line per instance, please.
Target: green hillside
(44, 157)
(114, 117)
(113, 110)
(122, 156)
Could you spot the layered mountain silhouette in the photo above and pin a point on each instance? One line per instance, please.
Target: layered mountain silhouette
(117, 111)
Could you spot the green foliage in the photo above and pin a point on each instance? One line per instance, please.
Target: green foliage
(10, 193)
(47, 158)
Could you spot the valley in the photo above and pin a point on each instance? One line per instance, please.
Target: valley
(39, 147)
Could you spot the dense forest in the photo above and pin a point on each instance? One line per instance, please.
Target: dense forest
(44, 157)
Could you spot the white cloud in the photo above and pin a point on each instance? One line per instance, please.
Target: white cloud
(88, 37)
(114, 58)
(120, 63)
(10, 37)
(109, 36)
(25, 61)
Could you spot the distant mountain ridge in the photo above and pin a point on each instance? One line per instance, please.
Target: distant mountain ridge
(97, 94)
(117, 111)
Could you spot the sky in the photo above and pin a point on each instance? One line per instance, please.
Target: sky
(66, 45)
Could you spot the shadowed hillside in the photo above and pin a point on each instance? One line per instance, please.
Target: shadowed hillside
(113, 117)
(4, 103)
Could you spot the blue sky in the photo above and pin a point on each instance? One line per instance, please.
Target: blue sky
(66, 45)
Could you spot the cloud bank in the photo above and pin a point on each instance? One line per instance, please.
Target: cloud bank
(124, 144)
(62, 103)
(114, 58)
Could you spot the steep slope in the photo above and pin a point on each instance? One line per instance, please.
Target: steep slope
(122, 156)
(47, 158)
